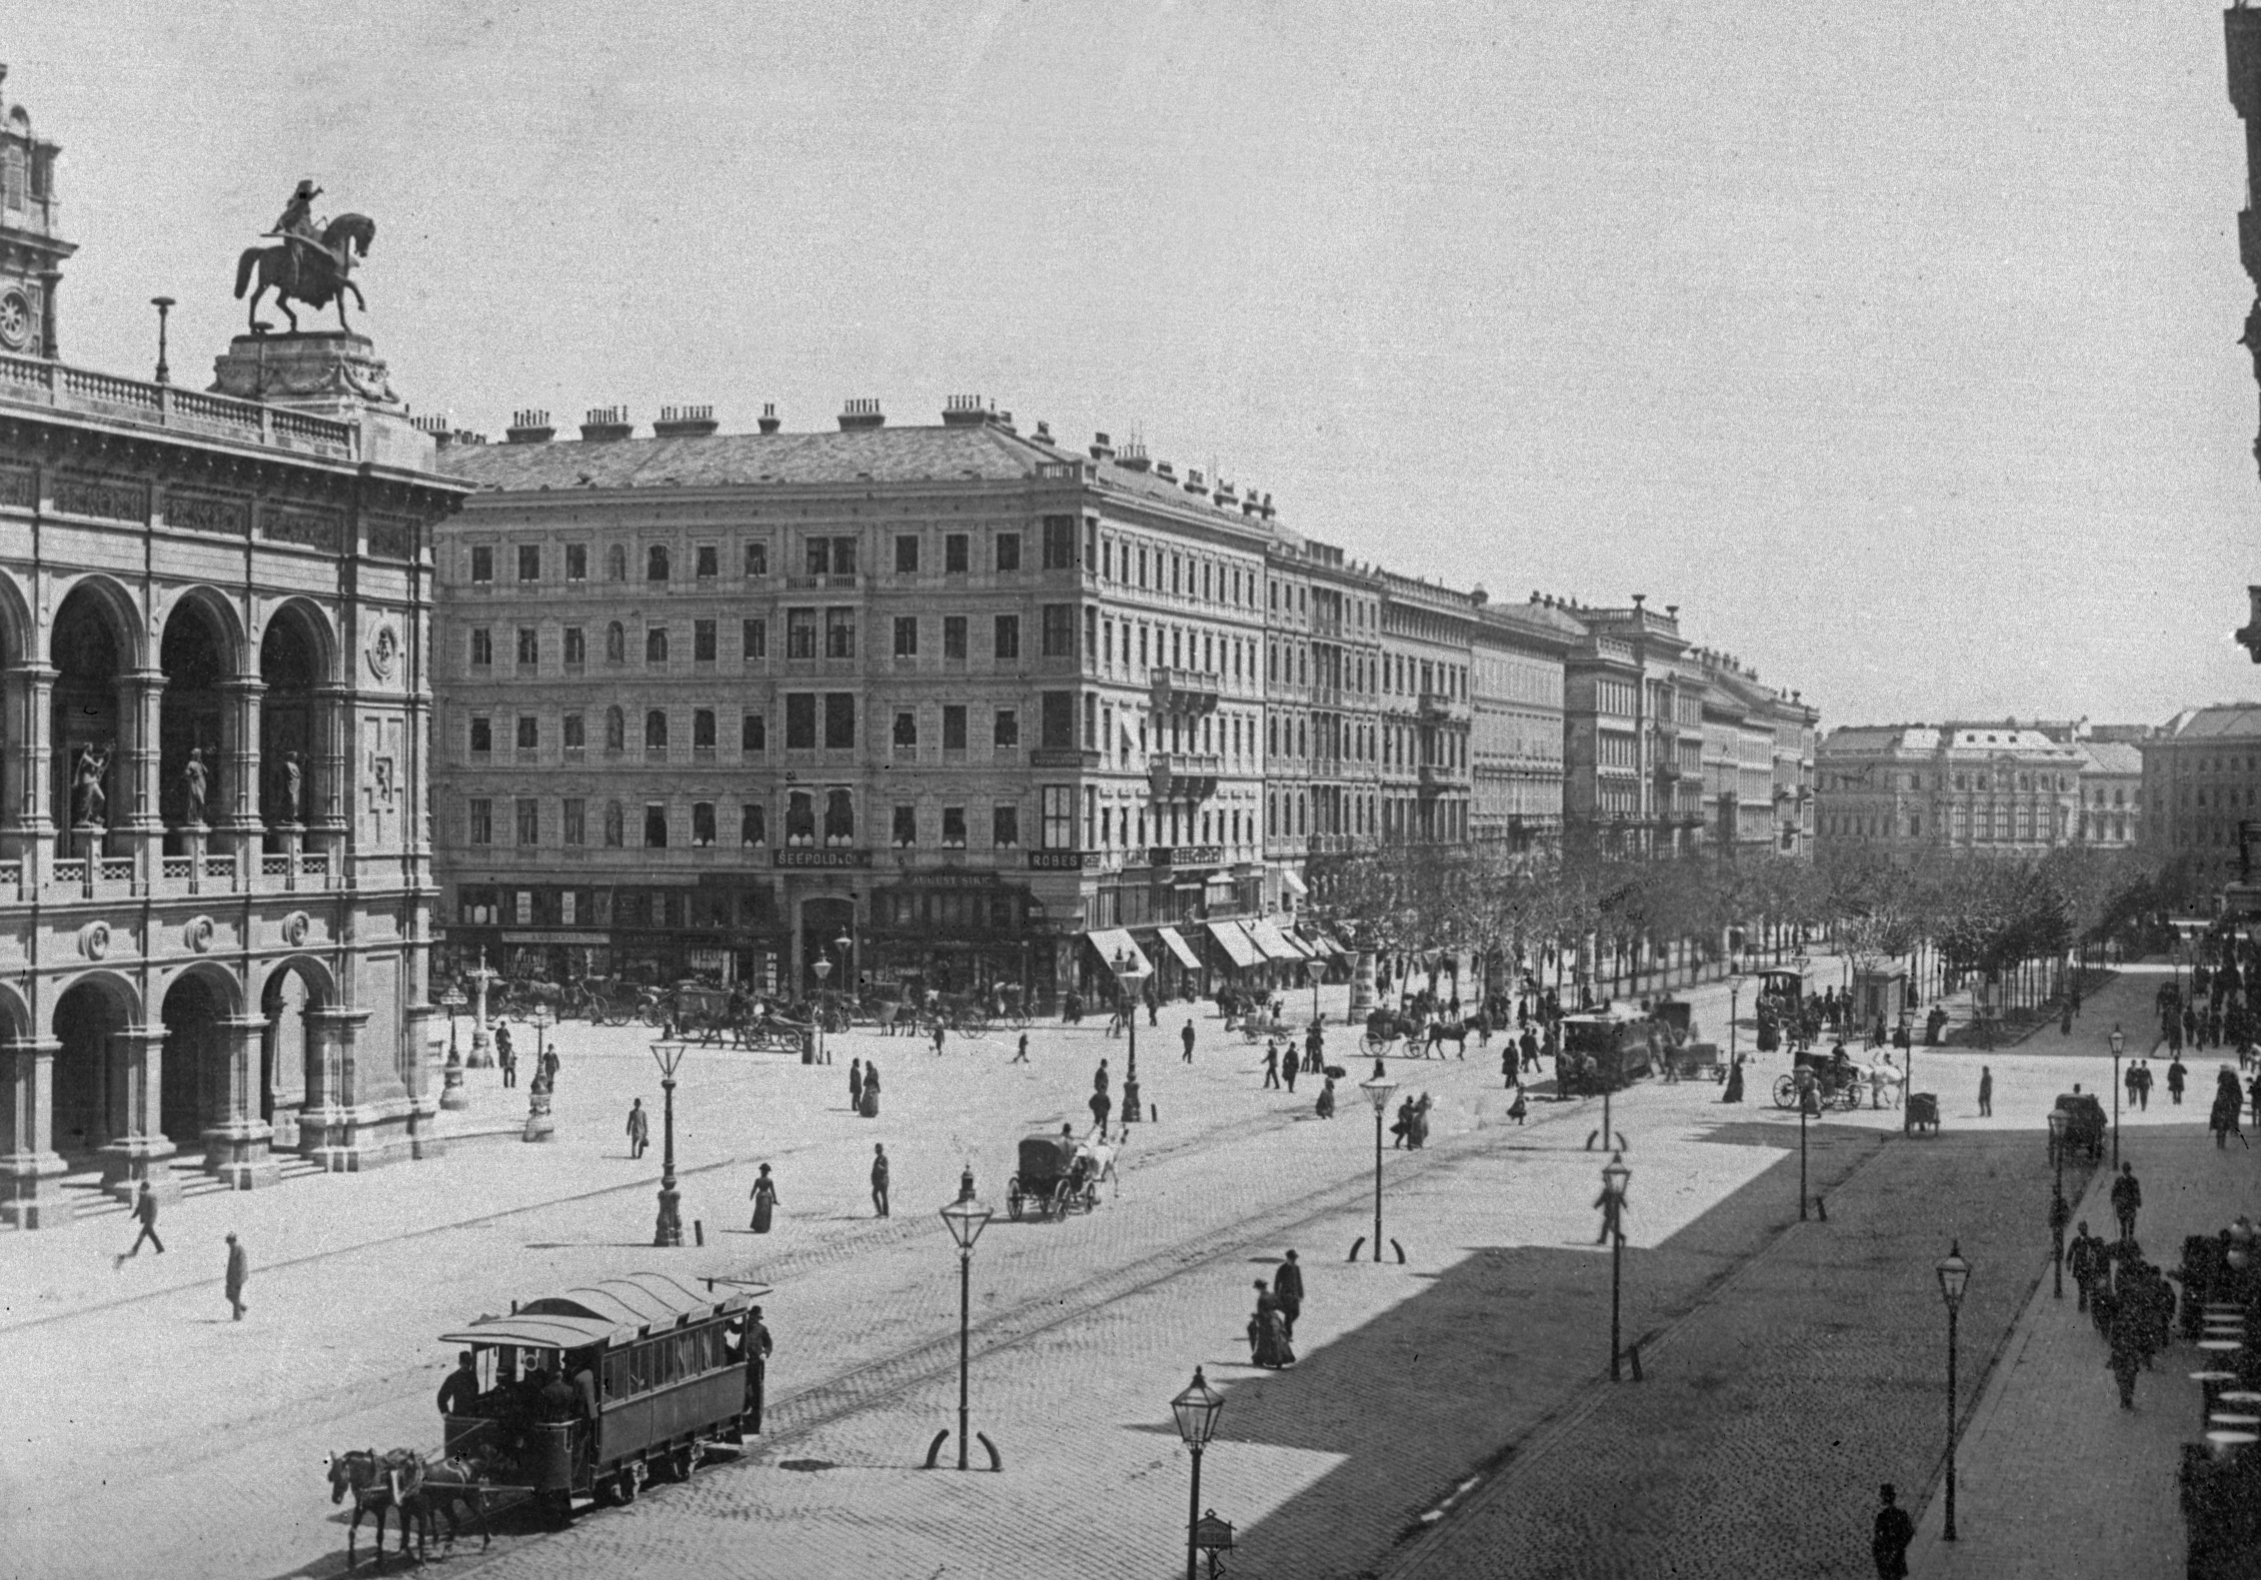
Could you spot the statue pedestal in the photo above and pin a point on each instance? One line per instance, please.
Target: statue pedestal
(328, 374)
(540, 1126)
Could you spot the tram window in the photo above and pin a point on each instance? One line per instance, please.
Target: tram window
(686, 1361)
(616, 1374)
(639, 1367)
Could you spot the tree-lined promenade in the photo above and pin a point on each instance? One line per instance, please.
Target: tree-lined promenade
(1635, 924)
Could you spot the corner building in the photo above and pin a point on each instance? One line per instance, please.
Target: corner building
(943, 705)
(197, 977)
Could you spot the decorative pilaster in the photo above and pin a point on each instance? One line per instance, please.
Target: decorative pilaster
(323, 798)
(134, 813)
(27, 822)
(138, 1147)
(238, 1144)
(31, 1171)
(329, 1125)
(236, 807)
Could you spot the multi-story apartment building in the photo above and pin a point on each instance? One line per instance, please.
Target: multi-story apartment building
(2201, 780)
(214, 886)
(1995, 789)
(1516, 723)
(1322, 672)
(1758, 759)
(1633, 732)
(1428, 640)
(928, 702)
(1795, 725)
(2111, 793)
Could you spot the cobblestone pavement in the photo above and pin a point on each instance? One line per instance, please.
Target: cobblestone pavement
(1084, 1329)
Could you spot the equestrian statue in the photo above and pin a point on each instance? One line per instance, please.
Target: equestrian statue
(310, 266)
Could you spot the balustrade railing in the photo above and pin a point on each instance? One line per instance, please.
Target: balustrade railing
(177, 868)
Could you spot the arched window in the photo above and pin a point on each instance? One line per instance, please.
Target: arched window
(616, 641)
(655, 730)
(616, 730)
(616, 564)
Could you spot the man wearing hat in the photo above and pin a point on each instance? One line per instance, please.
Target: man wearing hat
(755, 1345)
(1894, 1531)
(298, 214)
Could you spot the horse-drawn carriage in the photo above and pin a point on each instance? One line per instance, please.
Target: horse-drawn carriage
(1604, 1050)
(1836, 1081)
(2085, 1126)
(656, 1372)
(1058, 1174)
(1683, 1040)
(762, 1029)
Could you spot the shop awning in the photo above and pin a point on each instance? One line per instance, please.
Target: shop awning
(1321, 943)
(1179, 947)
(1272, 941)
(1235, 944)
(1294, 884)
(1113, 941)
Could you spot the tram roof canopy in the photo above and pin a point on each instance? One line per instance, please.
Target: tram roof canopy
(617, 1311)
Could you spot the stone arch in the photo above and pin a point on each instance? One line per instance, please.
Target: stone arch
(291, 992)
(93, 1013)
(201, 650)
(94, 643)
(298, 667)
(16, 622)
(15, 1016)
(196, 1093)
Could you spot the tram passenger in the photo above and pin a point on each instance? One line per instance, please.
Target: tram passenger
(459, 1395)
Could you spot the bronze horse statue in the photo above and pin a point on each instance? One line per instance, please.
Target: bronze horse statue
(300, 270)
(418, 1486)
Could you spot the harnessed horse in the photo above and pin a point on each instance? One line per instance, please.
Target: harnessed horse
(418, 1487)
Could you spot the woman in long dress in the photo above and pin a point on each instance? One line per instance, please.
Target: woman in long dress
(1267, 1335)
(1734, 1092)
(765, 1200)
(871, 1090)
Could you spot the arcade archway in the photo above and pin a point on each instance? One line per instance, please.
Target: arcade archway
(195, 1083)
(90, 650)
(90, 1018)
(198, 660)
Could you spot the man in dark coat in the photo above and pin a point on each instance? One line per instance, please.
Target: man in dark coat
(1186, 1037)
(639, 1128)
(1271, 1065)
(145, 1212)
(1894, 1531)
(2084, 1259)
(755, 1345)
(239, 1274)
(879, 1172)
(1287, 1292)
(2127, 1200)
(2128, 1325)
(461, 1390)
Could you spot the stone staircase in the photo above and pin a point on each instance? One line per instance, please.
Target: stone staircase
(83, 1190)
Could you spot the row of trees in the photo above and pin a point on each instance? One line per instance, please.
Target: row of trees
(1981, 915)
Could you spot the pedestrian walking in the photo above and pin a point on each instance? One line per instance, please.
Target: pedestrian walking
(1520, 1108)
(2177, 1074)
(938, 1032)
(1289, 1064)
(1267, 1340)
(870, 1108)
(2126, 1359)
(505, 1055)
(879, 1173)
(765, 1201)
(2127, 1200)
(1327, 1099)
(1271, 1064)
(1888, 1543)
(1186, 1037)
(1101, 1106)
(1985, 1091)
(1287, 1293)
(2132, 1078)
(2085, 1260)
(2143, 1084)
(1099, 1077)
(239, 1274)
(639, 1128)
(145, 1212)
(461, 1390)
(855, 1085)
(754, 1346)
(1020, 1054)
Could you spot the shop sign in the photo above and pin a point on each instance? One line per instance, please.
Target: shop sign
(1062, 860)
(556, 938)
(821, 858)
(1186, 855)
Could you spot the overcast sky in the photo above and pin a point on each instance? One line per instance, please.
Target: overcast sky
(1894, 343)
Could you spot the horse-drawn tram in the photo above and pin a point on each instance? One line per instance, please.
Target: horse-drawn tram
(593, 1392)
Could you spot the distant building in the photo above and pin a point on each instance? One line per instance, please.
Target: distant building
(2201, 778)
(1992, 789)
(2111, 794)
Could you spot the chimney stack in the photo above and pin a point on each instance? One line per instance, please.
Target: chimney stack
(861, 414)
(1133, 456)
(684, 422)
(967, 411)
(1102, 448)
(604, 424)
(529, 427)
(769, 418)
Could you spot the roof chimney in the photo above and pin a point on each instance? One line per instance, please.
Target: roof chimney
(963, 411)
(1165, 469)
(1226, 494)
(1102, 448)
(1133, 457)
(1043, 431)
(529, 427)
(769, 419)
(861, 414)
(684, 422)
(605, 424)
(1193, 482)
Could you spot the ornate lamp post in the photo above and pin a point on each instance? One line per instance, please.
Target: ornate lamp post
(1806, 1099)
(2059, 1213)
(847, 947)
(1615, 1177)
(823, 971)
(1378, 1088)
(164, 306)
(966, 1218)
(1197, 1410)
(1954, 1274)
(1734, 1011)
(2119, 1046)
(1129, 978)
(1315, 969)
(482, 1040)
(543, 1018)
(669, 1230)
(452, 1094)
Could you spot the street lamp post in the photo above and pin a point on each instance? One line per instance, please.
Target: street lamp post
(823, 971)
(846, 946)
(1805, 1080)
(2059, 1213)
(1734, 1010)
(1129, 977)
(482, 1040)
(1954, 1274)
(452, 1094)
(1378, 1088)
(1197, 1410)
(1615, 1177)
(2119, 1046)
(1315, 969)
(668, 1231)
(966, 1218)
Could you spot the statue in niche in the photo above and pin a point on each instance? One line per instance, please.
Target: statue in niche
(195, 782)
(89, 804)
(292, 787)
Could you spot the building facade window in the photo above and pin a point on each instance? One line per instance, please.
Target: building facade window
(479, 822)
(1005, 734)
(702, 823)
(953, 727)
(529, 821)
(655, 563)
(800, 633)
(616, 643)
(906, 829)
(955, 554)
(575, 824)
(1005, 827)
(1008, 638)
(953, 828)
(839, 633)
(753, 824)
(655, 825)
(576, 648)
(482, 735)
(753, 639)
(655, 645)
(753, 734)
(1059, 828)
(757, 559)
(839, 720)
(529, 562)
(906, 555)
(906, 636)
(482, 648)
(1059, 630)
(954, 638)
(577, 562)
(702, 642)
(482, 564)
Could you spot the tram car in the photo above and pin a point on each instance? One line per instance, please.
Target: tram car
(591, 1393)
(1606, 1050)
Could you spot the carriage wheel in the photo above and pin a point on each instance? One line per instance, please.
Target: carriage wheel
(682, 1462)
(1372, 1046)
(1785, 1092)
(655, 1014)
(627, 1483)
(1013, 1198)
(1018, 1020)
